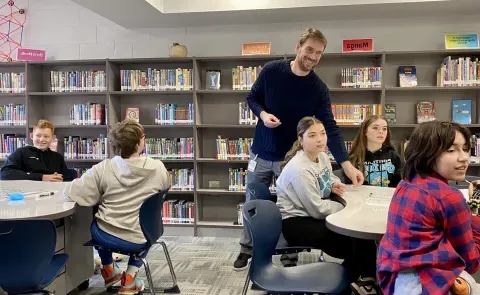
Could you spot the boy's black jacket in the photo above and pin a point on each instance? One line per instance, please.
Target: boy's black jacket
(30, 163)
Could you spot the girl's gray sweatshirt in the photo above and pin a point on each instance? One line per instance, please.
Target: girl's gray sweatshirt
(304, 187)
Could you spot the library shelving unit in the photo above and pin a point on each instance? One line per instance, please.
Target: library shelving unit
(216, 112)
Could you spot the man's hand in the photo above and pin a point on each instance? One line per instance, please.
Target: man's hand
(269, 120)
(338, 188)
(355, 175)
(56, 177)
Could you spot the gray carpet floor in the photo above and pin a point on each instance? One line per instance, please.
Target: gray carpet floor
(203, 266)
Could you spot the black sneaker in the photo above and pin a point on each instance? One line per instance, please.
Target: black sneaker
(242, 262)
(365, 286)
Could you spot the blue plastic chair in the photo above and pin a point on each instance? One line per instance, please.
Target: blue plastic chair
(152, 226)
(259, 191)
(264, 221)
(28, 263)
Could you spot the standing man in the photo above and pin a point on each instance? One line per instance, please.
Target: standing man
(285, 92)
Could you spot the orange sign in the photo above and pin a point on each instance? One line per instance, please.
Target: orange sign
(254, 48)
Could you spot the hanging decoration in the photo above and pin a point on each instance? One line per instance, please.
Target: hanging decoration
(12, 20)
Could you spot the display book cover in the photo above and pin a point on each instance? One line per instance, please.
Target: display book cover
(425, 111)
(407, 76)
(462, 111)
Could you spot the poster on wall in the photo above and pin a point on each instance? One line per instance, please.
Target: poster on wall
(461, 41)
(26, 54)
(357, 45)
(256, 48)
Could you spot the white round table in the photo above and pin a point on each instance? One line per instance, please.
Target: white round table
(365, 213)
(51, 207)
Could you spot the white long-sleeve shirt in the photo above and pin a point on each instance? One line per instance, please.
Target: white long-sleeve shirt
(304, 187)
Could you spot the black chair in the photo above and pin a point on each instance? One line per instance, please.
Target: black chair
(264, 222)
(152, 226)
(28, 263)
(339, 173)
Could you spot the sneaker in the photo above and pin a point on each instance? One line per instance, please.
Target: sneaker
(131, 285)
(365, 286)
(242, 262)
(288, 260)
(111, 275)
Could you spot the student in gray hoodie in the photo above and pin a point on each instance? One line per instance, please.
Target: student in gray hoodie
(304, 190)
(119, 186)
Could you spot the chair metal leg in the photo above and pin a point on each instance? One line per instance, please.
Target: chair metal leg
(149, 276)
(246, 284)
(321, 258)
(169, 261)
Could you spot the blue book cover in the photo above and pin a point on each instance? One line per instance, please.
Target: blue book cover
(462, 111)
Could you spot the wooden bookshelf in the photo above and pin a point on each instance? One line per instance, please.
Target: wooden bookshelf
(217, 111)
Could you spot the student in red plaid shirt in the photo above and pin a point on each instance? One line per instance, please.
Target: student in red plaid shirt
(428, 242)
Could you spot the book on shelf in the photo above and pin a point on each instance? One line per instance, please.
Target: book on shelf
(13, 115)
(391, 113)
(169, 148)
(237, 179)
(132, 113)
(174, 114)
(243, 78)
(212, 79)
(181, 179)
(87, 114)
(10, 142)
(178, 211)
(77, 147)
(354, 114)
(228, 149)
(12, 82)
(78, 81)
(80, 171)
(407, 76)
(475, 150)
(368, 77)
(462, 111)
(156, 80)
(425, 111)
(246, 115)
(459, 72)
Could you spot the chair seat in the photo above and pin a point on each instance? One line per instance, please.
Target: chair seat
(320, 277)
(93, 243)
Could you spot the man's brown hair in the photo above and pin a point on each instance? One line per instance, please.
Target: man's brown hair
(427, 143)
(124, 137)
(314, 34)
(42, 124)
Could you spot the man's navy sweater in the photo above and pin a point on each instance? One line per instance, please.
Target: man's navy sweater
(289, 97)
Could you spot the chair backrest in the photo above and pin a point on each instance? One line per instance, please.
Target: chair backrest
(27, 250)
(339, 174)
(264, 222)
(72, 173)
(151, 217)
(258, 191)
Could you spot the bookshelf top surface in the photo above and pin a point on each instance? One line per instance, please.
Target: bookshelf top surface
(167, 60)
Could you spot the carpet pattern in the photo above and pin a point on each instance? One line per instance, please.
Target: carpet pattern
(203, 266)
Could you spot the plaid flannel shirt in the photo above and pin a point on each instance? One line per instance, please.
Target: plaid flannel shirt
(428, 232)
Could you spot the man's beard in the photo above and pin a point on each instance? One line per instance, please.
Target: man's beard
(305, 67)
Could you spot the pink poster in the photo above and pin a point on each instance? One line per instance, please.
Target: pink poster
(25, 54)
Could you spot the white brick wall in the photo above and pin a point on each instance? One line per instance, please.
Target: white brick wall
(69, 31)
